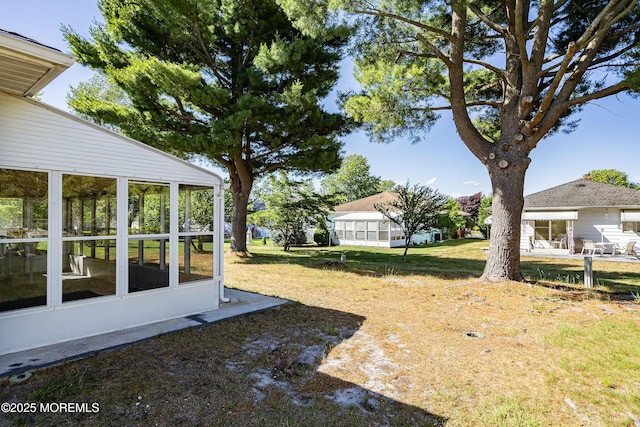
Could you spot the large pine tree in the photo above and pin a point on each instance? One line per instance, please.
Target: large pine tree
(511, 72)
(232, 81)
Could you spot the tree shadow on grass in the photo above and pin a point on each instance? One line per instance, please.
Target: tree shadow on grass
(570, 277)
(376, 262)
(266, 368)
(373, 262)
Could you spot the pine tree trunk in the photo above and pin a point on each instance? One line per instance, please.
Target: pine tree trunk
(503, 262)
(240, 196)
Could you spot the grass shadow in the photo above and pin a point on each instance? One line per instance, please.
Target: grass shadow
(460, 259)
(264, 368)
(376, 262)
(610, 282)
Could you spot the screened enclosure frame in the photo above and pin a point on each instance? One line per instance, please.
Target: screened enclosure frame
(79, 244)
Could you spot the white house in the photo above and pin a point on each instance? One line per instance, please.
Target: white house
(563, 216)
(97, 231)
(358, 223)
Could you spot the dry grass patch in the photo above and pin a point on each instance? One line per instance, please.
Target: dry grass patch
(375, 342)
(417, 317)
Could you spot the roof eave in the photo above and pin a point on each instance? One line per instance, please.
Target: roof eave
(36, 55)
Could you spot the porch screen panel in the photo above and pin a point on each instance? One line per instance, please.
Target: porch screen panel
(348, 234)
(372, 230)
(630, 216)
(89, 224)
(24, 216)
(148, 246)
(630, 220)
(195, 211)
(383, 233)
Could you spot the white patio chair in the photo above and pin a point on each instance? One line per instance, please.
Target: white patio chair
(560, 241)
(590, 247)
(628, 249)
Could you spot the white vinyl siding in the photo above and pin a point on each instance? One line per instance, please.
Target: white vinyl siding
(39, 137)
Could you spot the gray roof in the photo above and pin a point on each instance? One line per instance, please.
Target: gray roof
(583, 193)
(368, 203)
(30, 40)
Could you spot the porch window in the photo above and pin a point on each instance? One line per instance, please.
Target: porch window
(396, 232)
(24, 213)
(196, 233)
(631, 226)
(383, 233)
(89, 224)
(348, 230)
(148, 235)
(360, 230)
(372, 230)
(547, 230)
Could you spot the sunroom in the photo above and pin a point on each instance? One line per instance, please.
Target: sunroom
(98, 232)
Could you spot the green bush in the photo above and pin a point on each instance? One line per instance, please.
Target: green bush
(321, 237)
(298, 238)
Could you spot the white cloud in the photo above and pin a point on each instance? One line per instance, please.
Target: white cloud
(474, 183)
(431, 181)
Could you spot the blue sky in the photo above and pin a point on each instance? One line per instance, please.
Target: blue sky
(607, 136)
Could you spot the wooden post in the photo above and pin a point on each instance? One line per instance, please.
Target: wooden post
(588, 272)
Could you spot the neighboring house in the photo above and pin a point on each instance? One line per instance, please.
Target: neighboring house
(94, 226)
(358, 223)
(561, 217)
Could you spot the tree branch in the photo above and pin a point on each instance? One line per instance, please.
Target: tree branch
(429, 28)
(492, 104)
(441, 56)
(468, 132)
(488, 66)
(611, 90)
(541, 37)
(520, 36)
(548, 98)
(485, 19)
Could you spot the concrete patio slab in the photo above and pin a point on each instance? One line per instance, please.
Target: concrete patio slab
(240, 303)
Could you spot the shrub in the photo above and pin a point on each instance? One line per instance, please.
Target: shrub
(297, 238)
(321, 236)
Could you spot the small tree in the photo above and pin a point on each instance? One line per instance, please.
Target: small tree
(415, 210)
(452, 220)
(291, 205)
(611, 176)
(352, 181)
(321, 236)
(470, 205)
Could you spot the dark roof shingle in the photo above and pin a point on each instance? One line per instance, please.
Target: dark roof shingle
(583, 193)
